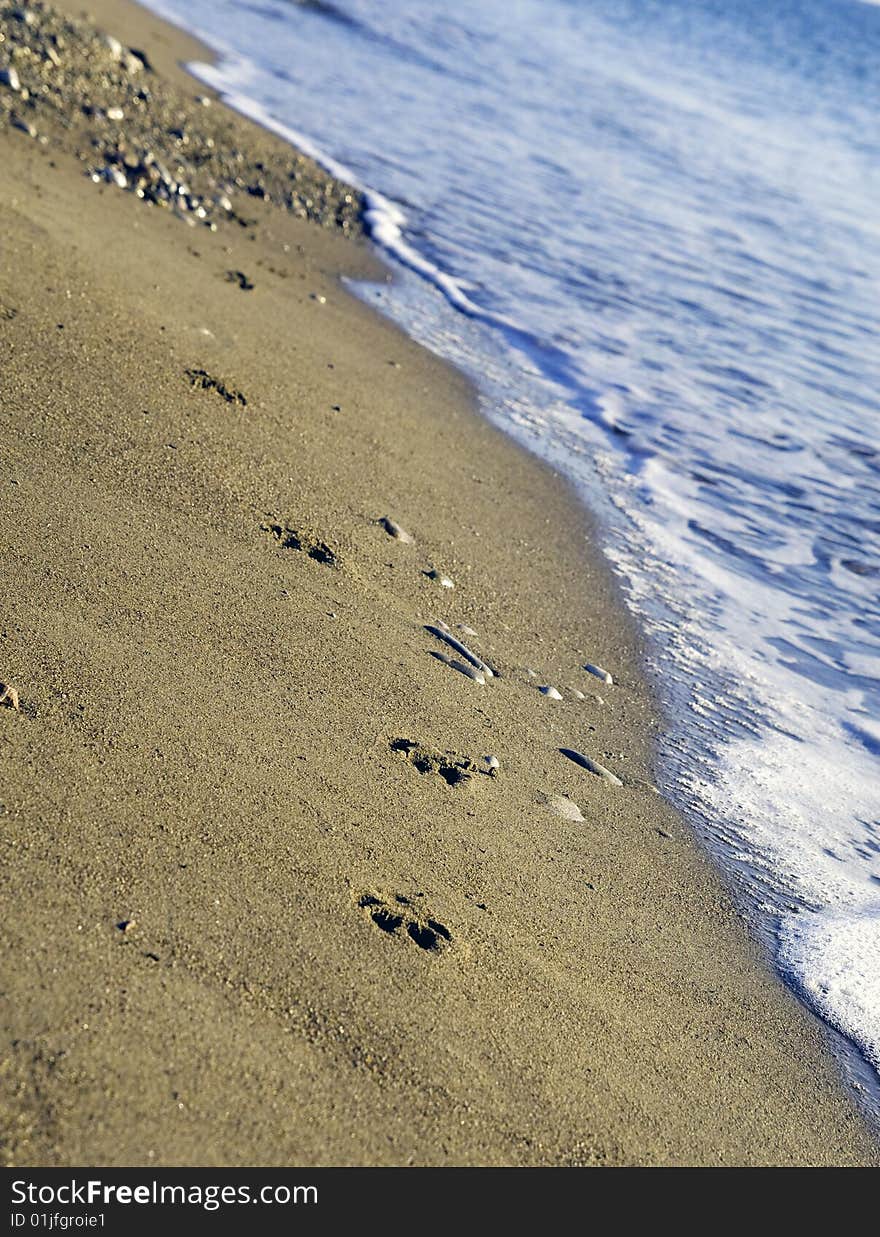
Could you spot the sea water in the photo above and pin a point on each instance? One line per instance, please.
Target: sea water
(651, 231)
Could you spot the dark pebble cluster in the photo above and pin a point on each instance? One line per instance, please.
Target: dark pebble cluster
(63, 81)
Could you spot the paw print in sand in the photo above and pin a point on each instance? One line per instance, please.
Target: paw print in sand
(397, 915)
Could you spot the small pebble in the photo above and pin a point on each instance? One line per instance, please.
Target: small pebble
(592, 766)
(492, 763)
(465, 668)
(561, 806)
(577, 695)
(599, 673)
(113, 46)
(550, 692)
(393, 529)
(442, 632)
(443, 581)
(462, 667)
(9, 77)
(115, 113)
(9, 696)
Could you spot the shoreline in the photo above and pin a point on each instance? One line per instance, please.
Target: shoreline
(142, 772)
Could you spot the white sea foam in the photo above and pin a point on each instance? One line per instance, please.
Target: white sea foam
(835, 961)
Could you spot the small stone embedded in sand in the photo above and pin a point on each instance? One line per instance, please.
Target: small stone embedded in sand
(441, 632)
(578, 695)
(562, 806)
(393, 529)
(137, 60)
(465, 630)
(592, 766)
(471, 671)
(550, 692)
(115, 113)
(599, 673)
(9, 77)
(126, 925)
(463, 667)
(493, 764)
(113, 176)
(9, 697)
(113, 46)
(443, 581)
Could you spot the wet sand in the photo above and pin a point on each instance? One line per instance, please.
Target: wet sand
(265, 900)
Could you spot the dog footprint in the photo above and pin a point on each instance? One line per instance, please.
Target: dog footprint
(455, 770)
(399, 916)
(300, 539)
(201, 380)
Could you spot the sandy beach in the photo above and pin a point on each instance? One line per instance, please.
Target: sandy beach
(266, 900)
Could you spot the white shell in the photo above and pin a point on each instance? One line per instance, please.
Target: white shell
(492, 762)
(550, 692)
